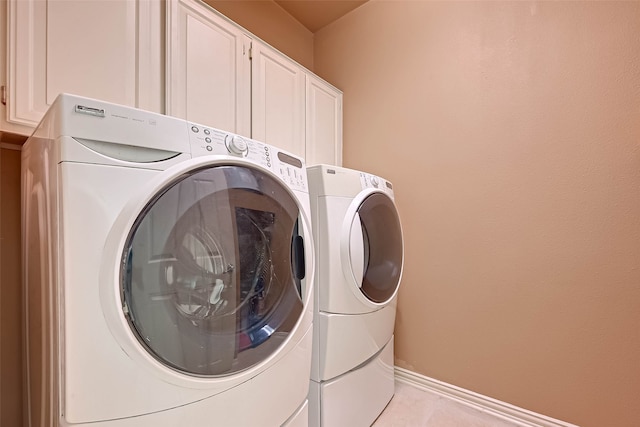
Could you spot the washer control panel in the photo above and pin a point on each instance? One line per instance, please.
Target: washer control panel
(368, 180)
(206, 141)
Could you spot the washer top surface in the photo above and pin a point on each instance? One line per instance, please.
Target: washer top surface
(96, 120)
(98, 132)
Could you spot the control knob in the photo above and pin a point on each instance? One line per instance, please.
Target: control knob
(374, 181)
(236, 145)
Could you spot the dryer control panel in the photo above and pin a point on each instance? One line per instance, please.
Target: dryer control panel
(207, 141)
(368, 180)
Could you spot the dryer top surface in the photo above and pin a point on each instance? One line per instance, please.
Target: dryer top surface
(328, 180)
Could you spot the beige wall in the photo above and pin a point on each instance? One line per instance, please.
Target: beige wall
(272, 24)
(511, 131)
(10, 289)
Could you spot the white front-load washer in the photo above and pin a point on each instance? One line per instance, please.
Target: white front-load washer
(168, 272)
(359, 259)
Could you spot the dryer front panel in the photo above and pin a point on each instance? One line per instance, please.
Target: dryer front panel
(211, 270)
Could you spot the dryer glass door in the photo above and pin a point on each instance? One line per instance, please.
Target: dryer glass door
(382, 257)
(211, 270)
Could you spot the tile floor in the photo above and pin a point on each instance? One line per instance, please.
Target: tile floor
(414, 407)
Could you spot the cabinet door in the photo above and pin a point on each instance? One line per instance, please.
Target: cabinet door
(323, 123)
(277, 95)
(208, 69)
(98, 49)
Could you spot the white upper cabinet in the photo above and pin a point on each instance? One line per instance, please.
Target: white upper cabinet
(177, 57)
(323, 123)
(208, 68)
(109, 50)
(221, 75)
(278, 99)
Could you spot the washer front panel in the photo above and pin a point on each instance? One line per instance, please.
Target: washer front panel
(209, 280)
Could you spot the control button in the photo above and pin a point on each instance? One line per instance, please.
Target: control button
(195, 129)
(237, 145)
(208, 140)
(374, 181)
(207, 132)
(209, 148)
(268, 164)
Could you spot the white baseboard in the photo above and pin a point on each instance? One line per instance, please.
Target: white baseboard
(503, 410)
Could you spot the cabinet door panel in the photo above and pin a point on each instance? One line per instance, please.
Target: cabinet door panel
(277, 87)
(208, 68)
(324, 123)
(89, 48)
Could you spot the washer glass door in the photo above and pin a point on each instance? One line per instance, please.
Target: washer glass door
(211, 270)
(380, 260)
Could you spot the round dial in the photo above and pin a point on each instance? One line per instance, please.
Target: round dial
(375, 181)
(237, 145)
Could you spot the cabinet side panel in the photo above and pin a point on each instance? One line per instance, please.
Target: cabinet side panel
(324, 123)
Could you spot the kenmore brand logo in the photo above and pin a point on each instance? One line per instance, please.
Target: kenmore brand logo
(83, 109)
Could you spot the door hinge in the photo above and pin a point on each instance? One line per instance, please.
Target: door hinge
(3, 96)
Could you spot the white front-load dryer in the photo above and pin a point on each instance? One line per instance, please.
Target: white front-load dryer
(168, 272)
(359, 253)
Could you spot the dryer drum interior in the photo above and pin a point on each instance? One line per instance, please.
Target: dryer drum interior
(209, 281)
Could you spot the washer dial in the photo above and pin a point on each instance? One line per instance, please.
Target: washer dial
(237, 145)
